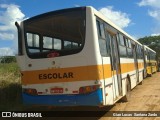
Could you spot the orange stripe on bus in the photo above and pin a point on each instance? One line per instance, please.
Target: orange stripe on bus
(60, 75)
(94, 72)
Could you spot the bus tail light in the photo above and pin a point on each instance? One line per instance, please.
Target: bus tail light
(30, 91)
(88, 89)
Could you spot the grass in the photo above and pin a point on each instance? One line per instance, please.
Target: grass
(10, 87)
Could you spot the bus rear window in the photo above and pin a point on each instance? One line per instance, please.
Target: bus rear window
(62, 32)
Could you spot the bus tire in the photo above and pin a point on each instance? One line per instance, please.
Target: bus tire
(141, 83)
(144, 74)
(127, 97)
(150, 75)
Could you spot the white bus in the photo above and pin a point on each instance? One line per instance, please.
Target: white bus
(77, 57)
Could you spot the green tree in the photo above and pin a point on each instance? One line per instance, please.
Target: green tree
(8, 59)
(153, 42)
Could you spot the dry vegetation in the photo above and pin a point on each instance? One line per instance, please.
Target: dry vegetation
(10, 87)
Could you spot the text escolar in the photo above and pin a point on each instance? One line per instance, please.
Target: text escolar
(56, 75)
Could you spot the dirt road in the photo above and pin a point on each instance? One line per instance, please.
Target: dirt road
(144, 97)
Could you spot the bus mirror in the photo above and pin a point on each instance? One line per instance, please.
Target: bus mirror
(19, 38)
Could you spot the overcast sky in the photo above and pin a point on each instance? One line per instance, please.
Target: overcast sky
(139, 18)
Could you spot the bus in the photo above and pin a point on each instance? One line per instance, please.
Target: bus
(150, 63)
(77, 57)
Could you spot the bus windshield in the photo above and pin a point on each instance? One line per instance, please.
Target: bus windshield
(55, 34)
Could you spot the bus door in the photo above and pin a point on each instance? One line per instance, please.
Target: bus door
(135, 61)
(115, 66)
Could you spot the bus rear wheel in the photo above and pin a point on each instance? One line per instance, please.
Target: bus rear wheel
(127, 97)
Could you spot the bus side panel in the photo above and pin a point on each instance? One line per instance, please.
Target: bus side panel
(140, 68)
(109, 92)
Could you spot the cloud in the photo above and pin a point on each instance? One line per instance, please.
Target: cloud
(7, 36)
(9, 14)
(151, 3)
(119, 18)
(154, 12)
(155, 34)
(6, 51)
(76, 5)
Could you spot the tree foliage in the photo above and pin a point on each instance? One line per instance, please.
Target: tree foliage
(7, 59)
(153, 42)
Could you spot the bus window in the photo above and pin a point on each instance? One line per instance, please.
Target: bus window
(130, 54)
(102, 45)
(74, 45)
(101, 30)
(141, 53)
(33, 42)
(140, 56)
(67, 45)
(129, 50)
(152, 55)
(53, 28)
(129, 43)
(57, 44)
(137, 51)
(48, 42)
(121, 40)
(126, 41)
(101, 37)
(98, 28)
(122, 47)
(148, 55)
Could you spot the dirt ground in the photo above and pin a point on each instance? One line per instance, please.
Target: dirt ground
(145, 97)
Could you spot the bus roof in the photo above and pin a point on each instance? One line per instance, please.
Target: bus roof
(54, 13)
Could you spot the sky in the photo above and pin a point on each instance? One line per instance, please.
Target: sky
(139, 18)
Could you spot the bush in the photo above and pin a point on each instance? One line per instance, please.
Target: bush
(10, 87)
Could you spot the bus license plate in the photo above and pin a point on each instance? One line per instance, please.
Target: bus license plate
(56, 90)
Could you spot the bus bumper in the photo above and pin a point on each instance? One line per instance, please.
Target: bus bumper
(92, 99)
